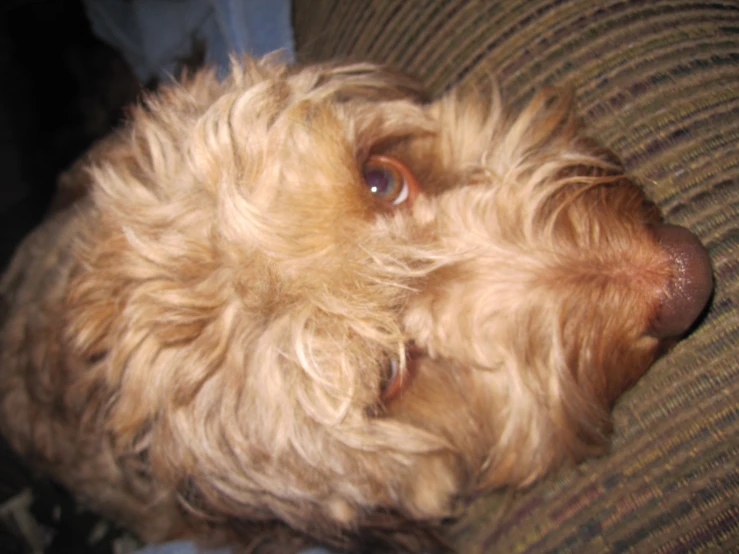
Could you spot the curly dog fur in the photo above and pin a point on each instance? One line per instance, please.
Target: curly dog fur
(206, 339)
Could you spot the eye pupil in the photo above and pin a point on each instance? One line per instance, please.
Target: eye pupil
(389, 180)
(380, 181)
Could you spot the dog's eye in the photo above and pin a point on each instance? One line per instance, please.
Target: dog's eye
(393, 383)
(399, 377)
(389, 180)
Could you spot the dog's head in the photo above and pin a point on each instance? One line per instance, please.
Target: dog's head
(314, 296)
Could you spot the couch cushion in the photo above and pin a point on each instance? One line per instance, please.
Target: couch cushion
(658, 81)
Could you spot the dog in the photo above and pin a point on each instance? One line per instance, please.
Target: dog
(311, 297)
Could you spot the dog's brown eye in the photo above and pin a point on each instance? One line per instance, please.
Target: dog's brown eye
(394, 382)
(389, 180)
(397, 379)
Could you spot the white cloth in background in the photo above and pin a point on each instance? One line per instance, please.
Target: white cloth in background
(154, 35)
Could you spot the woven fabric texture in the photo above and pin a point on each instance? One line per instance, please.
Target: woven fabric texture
(657, 81)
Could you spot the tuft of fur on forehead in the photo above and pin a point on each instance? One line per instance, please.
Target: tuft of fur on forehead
(214, 326)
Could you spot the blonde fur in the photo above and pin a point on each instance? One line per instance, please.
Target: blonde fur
(201, 341)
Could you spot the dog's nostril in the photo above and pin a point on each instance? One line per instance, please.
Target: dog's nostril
(691, 285)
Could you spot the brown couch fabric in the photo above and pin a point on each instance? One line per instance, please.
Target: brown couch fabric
(658, 81)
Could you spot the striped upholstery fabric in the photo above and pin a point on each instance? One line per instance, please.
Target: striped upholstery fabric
(658, 81)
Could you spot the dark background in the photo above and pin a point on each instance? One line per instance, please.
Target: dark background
(60, 90)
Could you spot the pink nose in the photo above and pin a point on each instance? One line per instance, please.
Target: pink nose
(690, 288)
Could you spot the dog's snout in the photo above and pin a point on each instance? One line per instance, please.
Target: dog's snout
(691, 285)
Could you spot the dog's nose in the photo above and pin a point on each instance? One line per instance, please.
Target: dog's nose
(691, 285)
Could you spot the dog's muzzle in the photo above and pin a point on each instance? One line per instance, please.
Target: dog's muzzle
(690, 288)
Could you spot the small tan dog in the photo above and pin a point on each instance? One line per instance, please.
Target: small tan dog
(304, 295)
